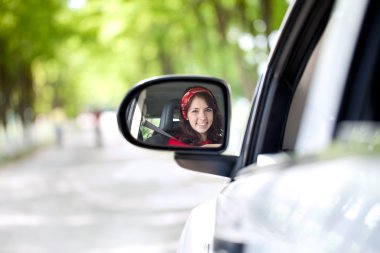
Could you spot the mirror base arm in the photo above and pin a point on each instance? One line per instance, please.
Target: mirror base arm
(215, 164)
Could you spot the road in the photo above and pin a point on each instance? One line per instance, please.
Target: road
(83, 198)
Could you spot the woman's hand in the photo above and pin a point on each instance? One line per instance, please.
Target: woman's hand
(215, 145)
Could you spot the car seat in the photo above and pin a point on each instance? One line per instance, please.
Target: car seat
(169, 113)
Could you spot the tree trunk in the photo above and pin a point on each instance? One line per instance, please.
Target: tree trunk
(222, 19)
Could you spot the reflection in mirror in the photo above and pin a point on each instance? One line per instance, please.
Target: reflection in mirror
(179, 114)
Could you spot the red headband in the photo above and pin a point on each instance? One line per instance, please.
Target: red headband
(188, 95)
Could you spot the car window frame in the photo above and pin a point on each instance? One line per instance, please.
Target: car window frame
(363, 73)
(298, 37)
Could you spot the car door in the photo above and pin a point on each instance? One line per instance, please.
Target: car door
(279, 100)
(325, 202)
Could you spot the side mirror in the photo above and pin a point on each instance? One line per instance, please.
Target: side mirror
(177, 113)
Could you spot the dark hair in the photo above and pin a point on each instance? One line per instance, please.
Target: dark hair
(214, 133)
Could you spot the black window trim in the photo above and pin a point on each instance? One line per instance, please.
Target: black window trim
(364, 72)
(296, 43)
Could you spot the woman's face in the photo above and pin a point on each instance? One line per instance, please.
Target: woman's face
(200, 116)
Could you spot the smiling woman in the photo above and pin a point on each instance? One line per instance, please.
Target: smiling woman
(201, 121)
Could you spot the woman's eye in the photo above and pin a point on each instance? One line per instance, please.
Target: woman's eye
(194, 111)
(208, 110)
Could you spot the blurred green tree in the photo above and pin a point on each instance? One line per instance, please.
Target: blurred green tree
(28, 33)
(85, 55)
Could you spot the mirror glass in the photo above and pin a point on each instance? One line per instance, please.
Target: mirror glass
(179, 114)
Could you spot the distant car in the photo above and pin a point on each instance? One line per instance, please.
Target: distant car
(307, 177)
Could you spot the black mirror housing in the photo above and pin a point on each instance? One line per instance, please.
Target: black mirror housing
(153, 114)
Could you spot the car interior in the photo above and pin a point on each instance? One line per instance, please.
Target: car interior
(169, 123)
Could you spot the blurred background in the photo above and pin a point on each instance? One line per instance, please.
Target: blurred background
(68, 181)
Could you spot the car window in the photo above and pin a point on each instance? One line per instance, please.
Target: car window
(320, 117)
(360, 101)
(276, 114)
(148, 132)
(298, 103)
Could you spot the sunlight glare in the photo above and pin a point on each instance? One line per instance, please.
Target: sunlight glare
(76, 4)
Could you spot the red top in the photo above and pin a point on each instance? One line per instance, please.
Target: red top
(174, 142)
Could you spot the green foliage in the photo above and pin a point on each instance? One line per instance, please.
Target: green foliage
(88, 57)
